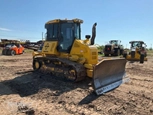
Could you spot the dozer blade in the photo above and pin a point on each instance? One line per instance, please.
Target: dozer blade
(109, 74)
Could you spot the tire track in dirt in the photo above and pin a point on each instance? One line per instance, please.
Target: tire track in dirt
(136, 91)
(139, 79)
(140, 72)
(132, 102)
(141, 84)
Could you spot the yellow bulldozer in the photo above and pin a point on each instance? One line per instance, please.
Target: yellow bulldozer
(137, 52)
(65, 55)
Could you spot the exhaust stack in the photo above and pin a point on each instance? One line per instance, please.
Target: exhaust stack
(93, 34)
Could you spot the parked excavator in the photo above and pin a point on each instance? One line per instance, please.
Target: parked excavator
(65, 55)
(137, 52)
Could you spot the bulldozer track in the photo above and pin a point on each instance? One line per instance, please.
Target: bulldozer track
(61, 67)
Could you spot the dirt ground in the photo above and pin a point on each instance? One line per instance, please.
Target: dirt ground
(23, 92)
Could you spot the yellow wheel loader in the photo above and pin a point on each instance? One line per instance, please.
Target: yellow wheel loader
(65, 55)
(137, 52)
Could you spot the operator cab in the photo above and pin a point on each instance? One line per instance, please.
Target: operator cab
(63, 31)
(137, 44)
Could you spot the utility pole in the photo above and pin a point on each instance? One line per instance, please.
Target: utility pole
(42, 36)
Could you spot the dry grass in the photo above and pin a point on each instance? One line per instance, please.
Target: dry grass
(150, 53)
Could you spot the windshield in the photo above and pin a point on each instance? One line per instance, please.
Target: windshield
(68, 34)
(136, 44)
(70, 30)
(113, 42)
(65, 33)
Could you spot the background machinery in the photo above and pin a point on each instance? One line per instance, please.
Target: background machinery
(114, 48)
(12, 47)
(65, 55)
(137, 52)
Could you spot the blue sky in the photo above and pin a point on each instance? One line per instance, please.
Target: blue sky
(124, 20)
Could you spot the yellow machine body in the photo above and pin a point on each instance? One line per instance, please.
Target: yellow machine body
(80, 53)
(137, 52)
(65, 54)
(136, 57)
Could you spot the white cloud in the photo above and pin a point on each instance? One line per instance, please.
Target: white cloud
(5, 29)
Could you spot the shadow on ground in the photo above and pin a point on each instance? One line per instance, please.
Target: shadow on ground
(29, 83)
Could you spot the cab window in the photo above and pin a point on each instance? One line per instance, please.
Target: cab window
(52, 32)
